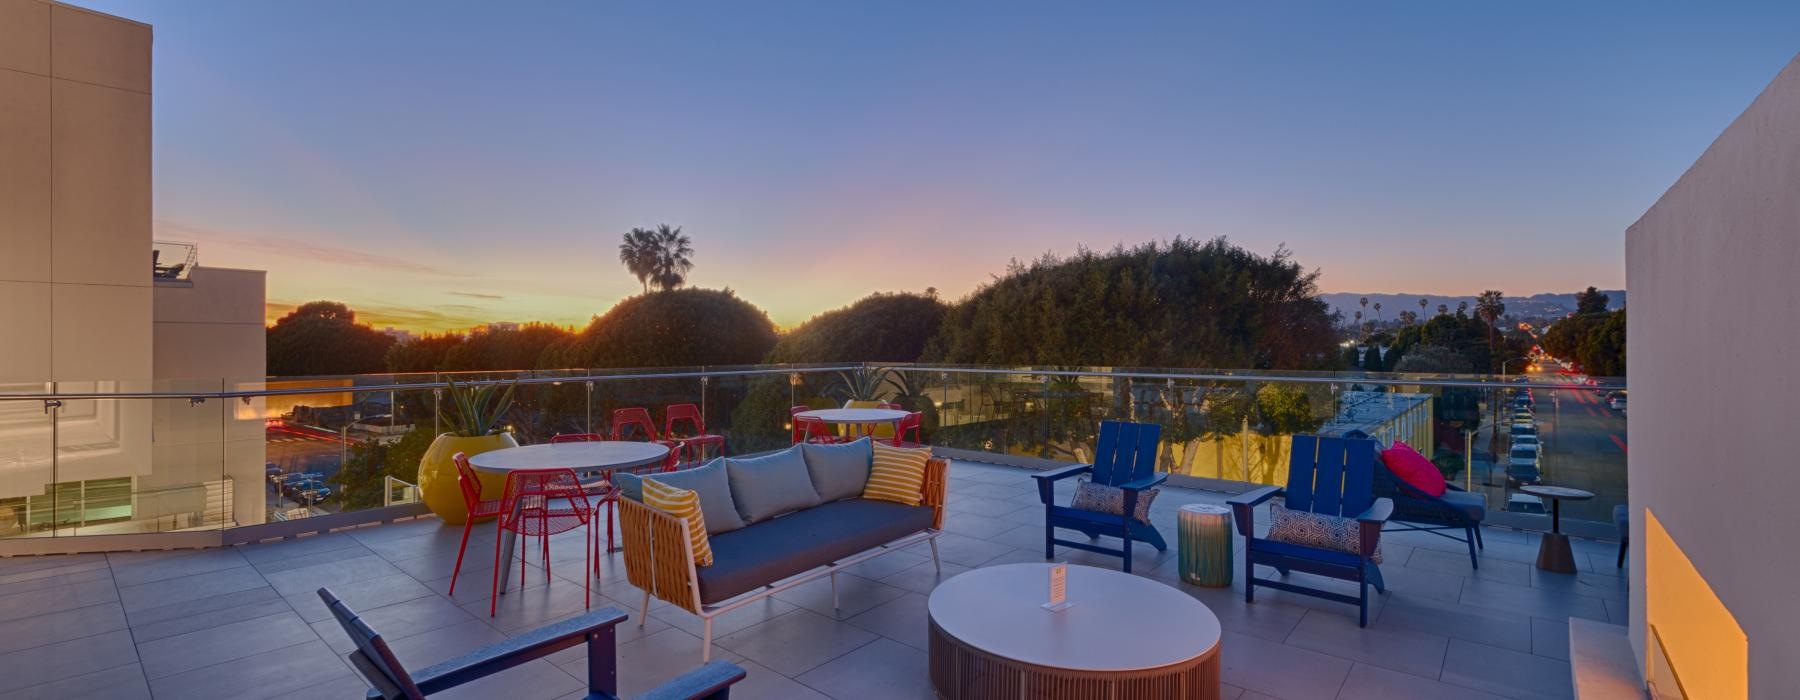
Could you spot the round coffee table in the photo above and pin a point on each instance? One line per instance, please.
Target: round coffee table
(1553, 552)
(1122, 636)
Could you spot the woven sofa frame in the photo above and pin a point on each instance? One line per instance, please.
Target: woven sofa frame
(658, 561)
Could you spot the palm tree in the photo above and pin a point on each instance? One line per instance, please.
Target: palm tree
(1489, 307)
(1365, 302)
(1422, 305)
(1407, 317)
(638, 254)
(670, 257)
(1443, 309)
(1462, 307)
(1378, 310)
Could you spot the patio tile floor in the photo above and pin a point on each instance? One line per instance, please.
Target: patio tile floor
(244, 623)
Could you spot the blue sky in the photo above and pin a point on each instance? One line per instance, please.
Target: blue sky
(444, 164)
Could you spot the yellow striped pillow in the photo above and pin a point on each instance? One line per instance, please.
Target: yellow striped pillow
(898, 474)
(683, 504)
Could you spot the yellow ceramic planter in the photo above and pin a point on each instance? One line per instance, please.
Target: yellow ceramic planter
(437, 473)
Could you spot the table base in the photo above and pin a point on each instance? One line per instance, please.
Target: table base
(959, 671)
(1554, 554)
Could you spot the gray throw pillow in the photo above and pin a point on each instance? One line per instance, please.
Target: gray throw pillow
(839, 471)
(629, 485)
(770, 485)
(714, 487)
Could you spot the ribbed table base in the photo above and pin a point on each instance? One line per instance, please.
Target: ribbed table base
(960, 672)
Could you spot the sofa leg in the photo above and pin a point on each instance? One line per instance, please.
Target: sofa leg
(834, 595)
(644, 612)
(1469, 534)
(706, 641)
(934, 557)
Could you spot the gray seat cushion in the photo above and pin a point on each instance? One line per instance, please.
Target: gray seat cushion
(770, 485)
(839, 471)
(1472, 504)
(714, 487)
(776, 549)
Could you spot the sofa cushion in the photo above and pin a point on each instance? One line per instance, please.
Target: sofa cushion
(714, 487)
(898, 474)
(838, 471)
(684, 504)
(770, 485)
(776, 549)
(1470, 503)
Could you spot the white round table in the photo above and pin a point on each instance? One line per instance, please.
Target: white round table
(584, 457)
(1122, 636)
(863, 417)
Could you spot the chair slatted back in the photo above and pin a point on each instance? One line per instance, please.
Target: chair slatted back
(377, 657)
(625, 419)
(1125, 452)
(1331, 475)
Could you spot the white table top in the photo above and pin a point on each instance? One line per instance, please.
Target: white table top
(603, 454)
(1115, 622)
(853, 415)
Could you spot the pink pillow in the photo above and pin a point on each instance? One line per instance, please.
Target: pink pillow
(1413, 468)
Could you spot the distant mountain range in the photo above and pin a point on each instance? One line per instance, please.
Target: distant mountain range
(1547, 305)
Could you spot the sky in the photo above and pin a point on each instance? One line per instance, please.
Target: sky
(447, 164)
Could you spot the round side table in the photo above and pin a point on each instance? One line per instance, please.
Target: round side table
(1553, 552)
(1205, 544)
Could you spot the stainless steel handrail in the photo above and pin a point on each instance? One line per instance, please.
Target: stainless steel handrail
(1385, 379)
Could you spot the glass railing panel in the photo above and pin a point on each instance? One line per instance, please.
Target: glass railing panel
(27, 462)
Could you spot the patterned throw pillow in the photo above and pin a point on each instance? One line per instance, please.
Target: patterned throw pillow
(898, 474)
(1318, 530)
(683, 504)
(1100, 498)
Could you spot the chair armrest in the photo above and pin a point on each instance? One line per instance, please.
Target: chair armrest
(1378, 512)
(1146, 483)
(1063, 473)
(701, 682)
(1244, 504)
(514, 651)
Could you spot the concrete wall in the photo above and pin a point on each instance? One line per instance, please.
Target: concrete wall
(1714, 335)
(74, 194)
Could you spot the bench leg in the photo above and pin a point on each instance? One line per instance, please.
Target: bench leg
(603, 663)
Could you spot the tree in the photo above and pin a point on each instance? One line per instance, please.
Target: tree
(1372, 360)
(1177, 304)
(661, 257)
(1378, 311)
(1408, 317)
(676, 328)
(1432, 359)
(323, 337)
(638, 254)
(1443, 309)
(1489, 308)
(1422, 304)
(1591, 301)
(878, 328)
(1595, 342)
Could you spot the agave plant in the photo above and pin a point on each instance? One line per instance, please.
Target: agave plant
(861, 384)
(475, 411)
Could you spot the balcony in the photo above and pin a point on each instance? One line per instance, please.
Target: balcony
(238, 617)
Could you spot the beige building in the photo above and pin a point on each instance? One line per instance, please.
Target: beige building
(88, 304)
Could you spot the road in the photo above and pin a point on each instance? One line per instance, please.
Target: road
(297, 450)
(1585, 447)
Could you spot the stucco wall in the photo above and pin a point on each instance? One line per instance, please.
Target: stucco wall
(1714, 335)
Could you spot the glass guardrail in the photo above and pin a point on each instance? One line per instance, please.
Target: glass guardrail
(111, 458)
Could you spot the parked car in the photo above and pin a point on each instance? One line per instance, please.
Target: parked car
(1525, 503)
(1526, 428)
(312, 491)
(1617, 403)
(291, 484)
(273, 472)
(1522, 465)
(1531, 440)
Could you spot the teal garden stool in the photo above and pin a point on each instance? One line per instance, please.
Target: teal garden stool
(1205, 542)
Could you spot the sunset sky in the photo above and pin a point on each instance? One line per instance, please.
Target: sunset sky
(447, 164)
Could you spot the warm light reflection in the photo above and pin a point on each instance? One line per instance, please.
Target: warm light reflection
(1705, 645)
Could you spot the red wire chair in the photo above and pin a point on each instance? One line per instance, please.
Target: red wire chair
(540, 503)
(476, 505)
(602, 490)
(914, 422)
(576, 437)
(811, 430)
(695, 444)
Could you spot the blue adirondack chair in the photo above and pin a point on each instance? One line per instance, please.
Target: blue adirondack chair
(1124, 456)
(1330, 476)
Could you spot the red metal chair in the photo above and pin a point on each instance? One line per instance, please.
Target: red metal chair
(576, 437)
(914, 422)
(695, 444)
(626, 419)
(811, 429)
(540, 503)
(476, 505)
(602, 490)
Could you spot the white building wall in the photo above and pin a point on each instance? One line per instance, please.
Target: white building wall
(1714, 335)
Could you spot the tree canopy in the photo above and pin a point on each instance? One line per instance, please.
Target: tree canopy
(323, 337)
(1591, 301)
(481, 350)
(878, 328)
(1594, 341)
(674, 328)
(660, 257)
(1177, 304)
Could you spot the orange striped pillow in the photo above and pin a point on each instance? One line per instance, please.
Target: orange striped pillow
(898, 474)
(683, 504)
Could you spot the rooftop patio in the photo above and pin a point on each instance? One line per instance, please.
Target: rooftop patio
(244, 621)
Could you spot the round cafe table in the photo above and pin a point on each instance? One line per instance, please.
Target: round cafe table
(1553, 552)
(586, 458)
(860, 418)
(1122, 636)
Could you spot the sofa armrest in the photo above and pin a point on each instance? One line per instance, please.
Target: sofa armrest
(520, 649)
(657, 557)
(933, 490)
